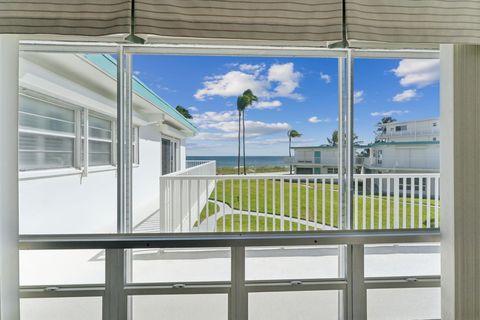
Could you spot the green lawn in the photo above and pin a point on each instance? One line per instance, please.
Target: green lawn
(230, 170)
(301, 191)
(212, 208)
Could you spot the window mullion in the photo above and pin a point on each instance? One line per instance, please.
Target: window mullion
(85, 143)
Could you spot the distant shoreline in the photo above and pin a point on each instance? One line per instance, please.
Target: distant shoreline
(251, 161)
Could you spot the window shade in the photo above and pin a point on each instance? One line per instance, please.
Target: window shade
(260, 20)
(414, 21)
(65, 17)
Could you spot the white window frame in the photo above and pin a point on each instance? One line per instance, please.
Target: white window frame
(74, 136)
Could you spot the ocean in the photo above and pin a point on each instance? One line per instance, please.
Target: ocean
(251, 161)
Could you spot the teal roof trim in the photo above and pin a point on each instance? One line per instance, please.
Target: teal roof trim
(375, 144)
(108, 64)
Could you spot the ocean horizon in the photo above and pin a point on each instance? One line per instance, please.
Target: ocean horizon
(251, 161)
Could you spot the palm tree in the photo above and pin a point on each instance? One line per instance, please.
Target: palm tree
(291, 135)
(243, 101)
(333, 141)
(184, 112)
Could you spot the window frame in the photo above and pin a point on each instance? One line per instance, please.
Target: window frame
(81, 123)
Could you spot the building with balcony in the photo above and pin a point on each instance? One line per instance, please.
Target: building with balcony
(67, 143)
(400, 147)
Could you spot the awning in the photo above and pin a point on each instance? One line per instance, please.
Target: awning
(265, 22)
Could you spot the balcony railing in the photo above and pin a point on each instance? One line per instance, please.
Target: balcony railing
(296, 202)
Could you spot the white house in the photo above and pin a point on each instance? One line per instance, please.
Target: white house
(400, 147)
(67, 149)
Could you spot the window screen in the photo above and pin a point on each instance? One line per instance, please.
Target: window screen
(99, 141)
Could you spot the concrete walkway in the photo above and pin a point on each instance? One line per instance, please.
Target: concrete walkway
(209, 224)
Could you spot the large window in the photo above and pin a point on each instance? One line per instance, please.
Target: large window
(48, 137)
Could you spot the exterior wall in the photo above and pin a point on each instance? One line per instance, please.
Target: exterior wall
(68, 203)
(400, 158)
(422, 130)
(328, 156)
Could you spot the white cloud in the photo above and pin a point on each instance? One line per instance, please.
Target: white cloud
(281, 80)
(136, 72)
(358, 96)
(287, 80)
(325, 77)
(418, 72)
(406, 95)
(231, 84)
(388, 113)
(253, 68)
(229, 130)
(204, 120)
(267, 104)
(316, 119)
(193, 109)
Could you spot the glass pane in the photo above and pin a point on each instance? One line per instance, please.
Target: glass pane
(403, 304)
(419, 259)
(181, 265)
(56, 267)
(305, 305)
(181, 307)
(81, 308)
(37, 114)
(267, 263)
(291, 93)
(99, 153)
(44, 152)
(397, 154)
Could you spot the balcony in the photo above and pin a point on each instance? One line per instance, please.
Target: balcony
(294, 202)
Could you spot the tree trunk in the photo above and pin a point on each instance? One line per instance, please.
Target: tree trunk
(290, 152)
(244, 160)
(239, 129)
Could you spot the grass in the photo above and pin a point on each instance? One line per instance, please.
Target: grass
(231, 170)
(325, 199)
(212, 208)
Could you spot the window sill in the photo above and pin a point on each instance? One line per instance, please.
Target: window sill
(51, 173)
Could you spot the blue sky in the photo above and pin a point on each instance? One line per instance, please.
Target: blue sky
(294, 93)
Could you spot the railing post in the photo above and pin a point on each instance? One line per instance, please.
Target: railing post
(396, 201)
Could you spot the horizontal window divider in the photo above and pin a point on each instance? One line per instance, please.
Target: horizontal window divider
(62, 291)
(178, 288)
(58, 134)
(402, 282)
(178, 240)
(296, 285)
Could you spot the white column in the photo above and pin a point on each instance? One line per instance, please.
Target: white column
(460, 181)
(9, 304)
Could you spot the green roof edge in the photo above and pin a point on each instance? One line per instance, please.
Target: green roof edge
(372, 144)
(108, 64)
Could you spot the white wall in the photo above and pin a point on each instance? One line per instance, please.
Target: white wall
(72, 204)
(412, 157)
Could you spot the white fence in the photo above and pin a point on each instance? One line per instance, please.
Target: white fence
(298, 202)
(196, 163)
(181, 198)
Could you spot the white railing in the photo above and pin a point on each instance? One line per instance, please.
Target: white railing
(195, 163)
(298, 202)
(182, 198)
